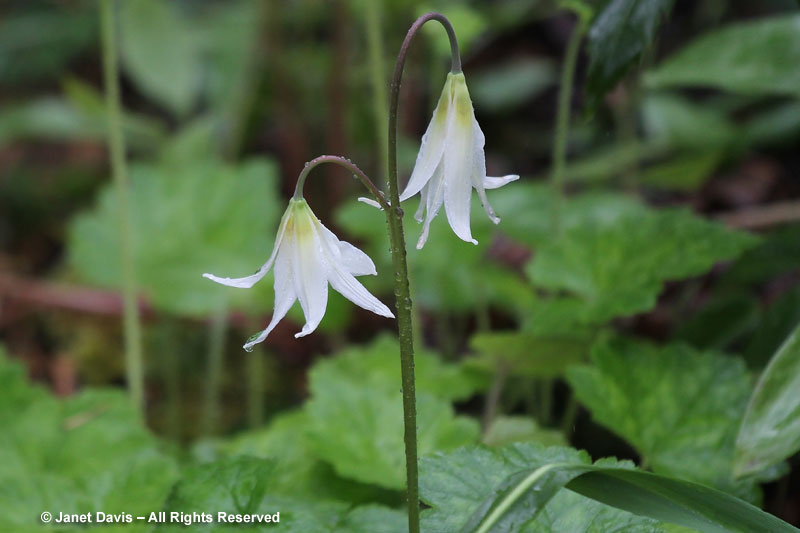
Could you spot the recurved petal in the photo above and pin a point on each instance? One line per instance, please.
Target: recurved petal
(433, 143)
(479, 171)
(354, 260)
(459, 158)
(310, 271)
(249, 281)
(490, 182)
(353, 290)
(284, 297)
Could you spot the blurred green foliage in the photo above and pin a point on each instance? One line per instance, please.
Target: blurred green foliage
(223, 103)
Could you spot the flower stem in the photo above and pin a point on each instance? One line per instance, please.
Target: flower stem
(116, 140)
(562, 122)
(346, 163)
(394, 216)
(380, 97)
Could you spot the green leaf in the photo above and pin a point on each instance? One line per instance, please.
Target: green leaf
(770, 431)
(463, 487)
(160, 52)
(83, 454)
(673, 500)
(378, 365)
(297, 470)
(369, 404)
(244, 485)
(757, 57)
(618, 269)
(726, 318)
(507, 429)
(678, 407)
(517, 488)
(617, 37)
(201, 216)
(528, 354)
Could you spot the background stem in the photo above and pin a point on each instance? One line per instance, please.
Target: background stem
(134, 364)
(562, 122)
(216, 356)
(380, 97)
(394, 216)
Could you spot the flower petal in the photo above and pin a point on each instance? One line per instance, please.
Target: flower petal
(490, 182)
(459, 159)
(310, 274)
(433, 198)
(370, 201)
(354, 260)
(423, 200)
(479, 171)
(249, 281)
(284, 297)
(353, 290)
(433, 143)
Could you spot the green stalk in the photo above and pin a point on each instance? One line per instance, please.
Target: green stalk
(380, 98)
(562, 122)
(394, 216)
(255, 388)
(216, 357)
(134, 364)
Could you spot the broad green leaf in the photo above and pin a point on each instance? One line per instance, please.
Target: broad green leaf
(757, 57)
(518, 489)
(465, 486)
(160, 52)
(617, 36)
(677, 501)
(618, 269)
(678, 407)
(507, 429)
(684, 172)
(377, 364)
(244, 485)
(770, 431)
(186, 220)
(83, 454)
(297, 470)
(371, 449)
(528, 354)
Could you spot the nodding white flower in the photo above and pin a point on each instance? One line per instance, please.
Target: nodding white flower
(307, 256)
(451, 162)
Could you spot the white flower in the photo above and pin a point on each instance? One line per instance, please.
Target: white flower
(307, 256)
(451, 162)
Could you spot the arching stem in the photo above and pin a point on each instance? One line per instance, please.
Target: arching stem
(394, 216)
(342, 162)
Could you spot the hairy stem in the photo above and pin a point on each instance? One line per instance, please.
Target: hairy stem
(134, 364)
(562, 122)
(342, 162)
(394, 216)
